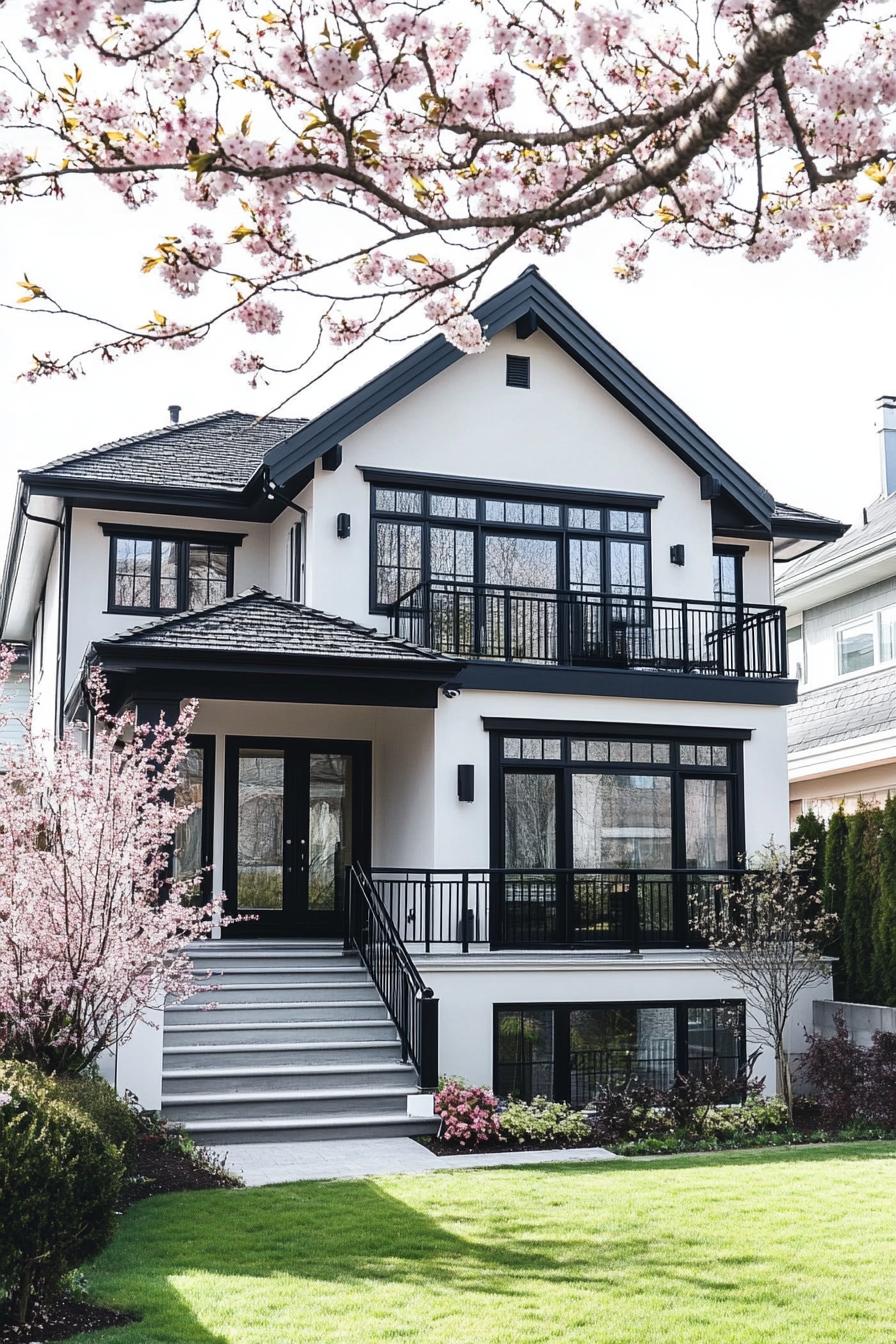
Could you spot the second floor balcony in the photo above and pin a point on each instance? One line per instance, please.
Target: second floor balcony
(572, 628)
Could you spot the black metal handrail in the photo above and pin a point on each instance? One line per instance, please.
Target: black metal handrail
(614, 908)
(569, 628)
(411, 1004)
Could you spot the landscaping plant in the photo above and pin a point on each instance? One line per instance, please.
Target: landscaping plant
(469, 1115)
(93, 932)
(543, 1121)
(60, 1179)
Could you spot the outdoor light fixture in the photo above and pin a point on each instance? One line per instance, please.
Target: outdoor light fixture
(676, 555)
(465, 783)
(343, 525)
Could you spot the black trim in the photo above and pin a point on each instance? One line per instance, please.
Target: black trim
(635, 685)
(474, 485)
(636, 731)
(562, 1009)
(207, 743)
(722, 548)
(331, 460)
(183, 540)
(62, 638)
(201, 538)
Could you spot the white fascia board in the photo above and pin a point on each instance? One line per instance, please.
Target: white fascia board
(32, 546)
(855, 753)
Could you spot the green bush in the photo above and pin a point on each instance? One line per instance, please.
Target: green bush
(757, 1115)
(113, 1117)
(59, 1182)
(543, 1121)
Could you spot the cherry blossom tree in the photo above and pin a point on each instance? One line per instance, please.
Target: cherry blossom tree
(92, 931)
(377, 157)
(770, 938)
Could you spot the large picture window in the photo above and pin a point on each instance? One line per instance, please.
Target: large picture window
(569, 1051)
(475, 537)
(158, 573)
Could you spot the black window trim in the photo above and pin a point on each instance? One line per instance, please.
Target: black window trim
(481, 527)
(563, 1008)
(206, 742)
(737, 554)
(183, 540)
(565, 766)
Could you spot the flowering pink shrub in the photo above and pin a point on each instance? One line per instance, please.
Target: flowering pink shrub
(469, 1115)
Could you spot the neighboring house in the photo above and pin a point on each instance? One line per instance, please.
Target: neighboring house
(841, 636)
(16, 700)
(490, 650)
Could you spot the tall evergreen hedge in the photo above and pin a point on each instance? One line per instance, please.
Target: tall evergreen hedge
(862, 897)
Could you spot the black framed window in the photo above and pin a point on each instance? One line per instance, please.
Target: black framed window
(482, 537)
(567, 1051)
(160, 573)
(602, 798)
(728, 575)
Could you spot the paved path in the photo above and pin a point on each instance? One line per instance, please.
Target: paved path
(342, 1159)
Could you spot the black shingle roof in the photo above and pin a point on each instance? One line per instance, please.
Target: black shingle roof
(852, 708)
(258, 622)
(221, 452)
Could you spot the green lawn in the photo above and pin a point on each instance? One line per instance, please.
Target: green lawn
(760, 1248)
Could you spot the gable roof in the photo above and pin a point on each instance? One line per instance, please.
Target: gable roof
(854, 707)
(218, 452)
(534, 304)
(260, 623)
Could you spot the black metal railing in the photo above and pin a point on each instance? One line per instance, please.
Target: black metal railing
(584, 629)
(628, 909)
(411, 1004)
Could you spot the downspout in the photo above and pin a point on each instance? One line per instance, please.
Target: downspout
(62, 633)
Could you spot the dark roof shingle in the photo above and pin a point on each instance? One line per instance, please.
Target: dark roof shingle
(855, 707)
(220, 452)
(258, 622)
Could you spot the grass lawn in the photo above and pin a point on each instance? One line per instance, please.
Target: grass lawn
(794, 1247)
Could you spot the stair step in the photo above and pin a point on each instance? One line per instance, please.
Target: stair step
(237, 1056)
(189, 1106)
(258, 1078)
(228, 995)
(297, 1011)
(266, 1032)
(273, 1130)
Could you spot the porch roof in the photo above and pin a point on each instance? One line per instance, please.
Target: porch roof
(257, 645)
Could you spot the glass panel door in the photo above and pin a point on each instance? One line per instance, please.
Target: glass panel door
(330, 825)
(520, 625)
(531, 897)
(259, 840)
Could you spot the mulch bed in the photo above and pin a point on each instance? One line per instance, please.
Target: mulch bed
(439, 1149)
(62, 1320)
(162, 1169)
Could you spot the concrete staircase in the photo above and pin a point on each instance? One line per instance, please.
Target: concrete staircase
(285, 1040)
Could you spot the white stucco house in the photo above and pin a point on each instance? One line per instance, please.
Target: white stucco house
(491, 686)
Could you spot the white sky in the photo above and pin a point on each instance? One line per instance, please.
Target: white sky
(781, 363)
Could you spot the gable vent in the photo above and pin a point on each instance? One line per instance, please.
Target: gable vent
(517, 370)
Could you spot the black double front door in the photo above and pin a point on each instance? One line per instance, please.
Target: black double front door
(297, 814)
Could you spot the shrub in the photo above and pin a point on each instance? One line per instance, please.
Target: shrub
(114, 1118)
(757, 1115)
(835, 1067)
(59, 1182)
(544, 1121)
(878, 1099)
(469, 1115)
(627, 1111)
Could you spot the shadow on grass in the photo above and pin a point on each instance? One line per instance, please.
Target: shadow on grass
(277, 1253)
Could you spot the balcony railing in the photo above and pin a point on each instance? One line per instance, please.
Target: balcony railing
(612, 908)
(582, 629)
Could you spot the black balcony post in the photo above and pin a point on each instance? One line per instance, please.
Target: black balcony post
(427, 910)
(465, 911)
(685, 636)
(632, 914)
(428, 1009)
(508, 651)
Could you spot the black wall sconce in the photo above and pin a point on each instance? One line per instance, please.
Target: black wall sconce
(343, 525)
(465, 783)
(676, 555)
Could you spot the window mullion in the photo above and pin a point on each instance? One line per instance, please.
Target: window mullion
(155, 576)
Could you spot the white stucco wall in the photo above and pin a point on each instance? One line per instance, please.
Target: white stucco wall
(43, 686)
(467, 997)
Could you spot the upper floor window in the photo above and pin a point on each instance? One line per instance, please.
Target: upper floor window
(462, 539)
(867, 642)
(158, 573)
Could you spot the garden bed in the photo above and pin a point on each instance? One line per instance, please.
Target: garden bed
(64, 1319)
(166, 1163)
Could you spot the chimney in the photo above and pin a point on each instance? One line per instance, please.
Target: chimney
(174, 416)
(886, 422)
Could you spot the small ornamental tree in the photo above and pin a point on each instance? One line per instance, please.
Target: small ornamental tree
(92, 931)
(769, 939)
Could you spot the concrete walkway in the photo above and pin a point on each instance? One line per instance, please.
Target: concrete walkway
(343, 1159)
